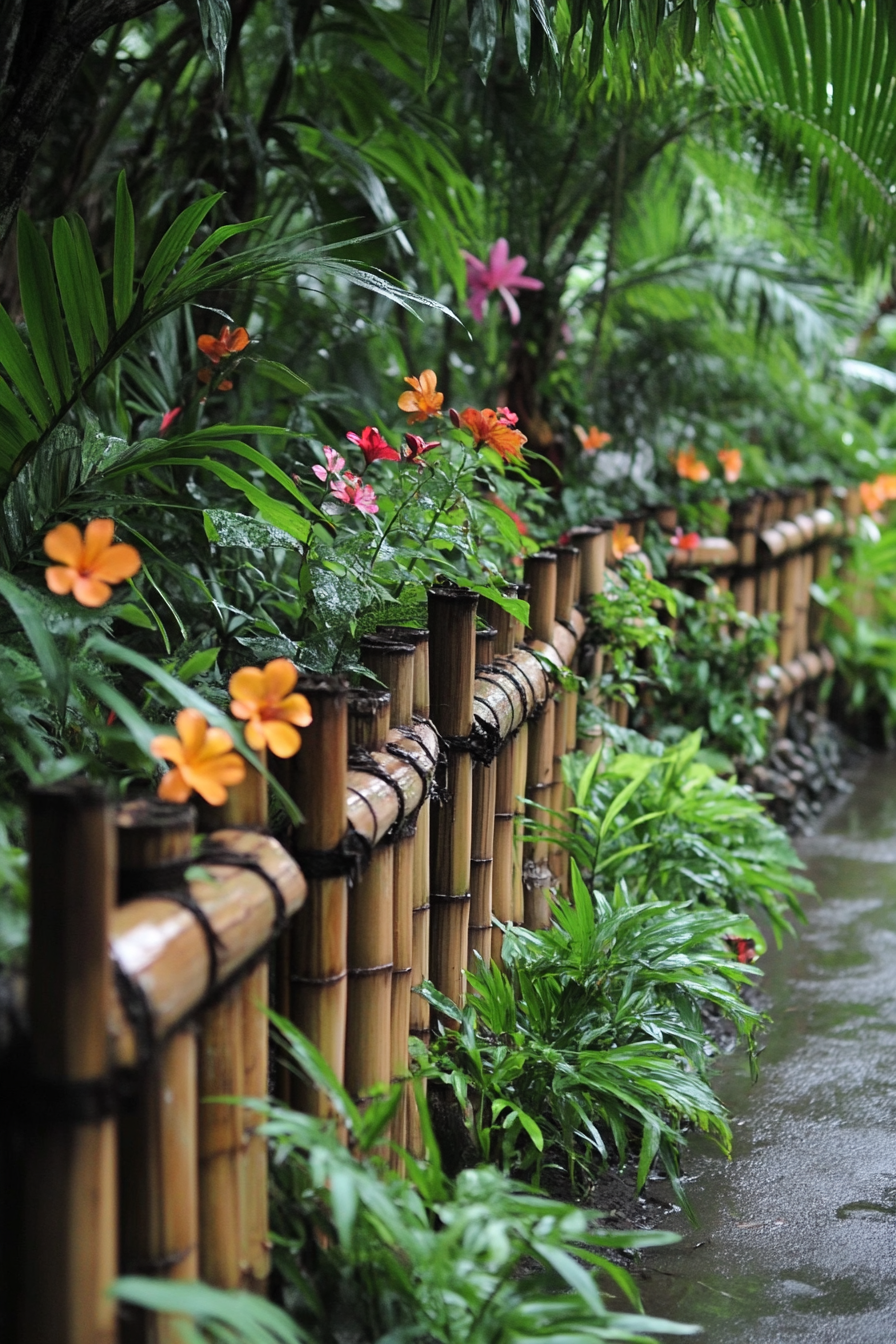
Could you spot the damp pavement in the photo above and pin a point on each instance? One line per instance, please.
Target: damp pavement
(797, 1234)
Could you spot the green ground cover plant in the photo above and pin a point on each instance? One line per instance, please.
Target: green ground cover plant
(587, 1044)
(366, 1254)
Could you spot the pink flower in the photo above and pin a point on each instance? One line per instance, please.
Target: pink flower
(503, 274)
(506, 415)
(416, 447)
(685, 541)
(352, 490)
(335, 463)
(168, 419)
(374, 446)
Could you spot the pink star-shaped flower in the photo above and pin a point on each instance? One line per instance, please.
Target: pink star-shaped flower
(503, 274)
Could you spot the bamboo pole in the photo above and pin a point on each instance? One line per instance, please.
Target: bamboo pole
(158, 1136)
(452, 626)
(69, 1226)
(537, 875)
(312, 961)
(479, 939)
(541, 575)
(745, 515)
(395, 663)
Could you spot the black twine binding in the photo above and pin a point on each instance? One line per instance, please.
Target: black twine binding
(133, 882)
(213, 942)
(359, 758)
(348, 859)
(136, 1010)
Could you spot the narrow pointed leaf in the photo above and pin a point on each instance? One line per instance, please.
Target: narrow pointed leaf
(123, 260)
(174, 244)
(68, 276)
(22, 371)
(40, 305)
(93, 296)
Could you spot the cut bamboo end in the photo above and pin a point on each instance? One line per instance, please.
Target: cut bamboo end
(70, 1217)
(541, 575)
(508, 630)
(486, 646)
(155, 840)
(368, 717)
(420, 640)
(569, 562)
(452, 635)
(592, 544)
(393, 664)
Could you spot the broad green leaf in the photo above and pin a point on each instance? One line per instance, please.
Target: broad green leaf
(19, 365)
(200, 662)
(123, 258)
(235, 529)
(92, 286)
(31, 618)
(279, 373)
(245, 1316)
(174, 244)
(43, 319)
(68, 276)
(130, 612)
(215, 19)
(522, 28)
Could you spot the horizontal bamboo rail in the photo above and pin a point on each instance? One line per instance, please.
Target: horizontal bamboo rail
(413, 791)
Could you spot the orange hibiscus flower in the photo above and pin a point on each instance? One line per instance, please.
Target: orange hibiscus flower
(424, 401)
(226, 342)
(487, 427)
(689, 466)
(732, 463)
(88, 564)
(593, 440)
(203, 758)
(887, 486)
(623, 543)
(872, 495)
(265, 701)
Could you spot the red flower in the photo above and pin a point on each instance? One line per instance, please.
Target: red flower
(374, 446)
(744, 947)
(685, 541)
(227, 342)
(487, 428)
(416, 447)
(168, 419)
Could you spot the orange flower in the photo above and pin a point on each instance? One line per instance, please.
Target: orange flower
(205, 376)
(872, 495)
(886, 485)
(203, 758)
(689, 466)
(226, 342)
(623, 542)
(732, 463)
(593, 440)
(424, 401)
(88, 564)
(487, 428)
(262, 699)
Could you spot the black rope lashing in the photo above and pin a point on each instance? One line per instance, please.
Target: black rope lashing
(184, 899)
(348, 859)
(568, 625)
(210, 853)
(359, 758)
(483, 743)
(510, 668)
(143, 881)
(408, 826)
(74, 1101)
(493, 674)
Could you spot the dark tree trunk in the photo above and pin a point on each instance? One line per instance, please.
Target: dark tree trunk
(42, 43)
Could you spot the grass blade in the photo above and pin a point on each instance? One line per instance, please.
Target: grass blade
(43, 318)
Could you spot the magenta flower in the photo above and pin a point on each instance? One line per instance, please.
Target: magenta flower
(416, 447)
(335, 463)
(373, 446)
(506, 415)
(168, 419)
(351, 490)
(502, 275)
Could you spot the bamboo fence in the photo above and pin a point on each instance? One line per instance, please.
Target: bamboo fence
(153, 953)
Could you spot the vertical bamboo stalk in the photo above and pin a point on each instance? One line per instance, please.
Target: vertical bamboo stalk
(234, 1060)
(368, 1054)
(159, 1135)
(452, 627)
(520, 771)
(482, 860)
(313, 951)
(395, 663)
(592, 544)
(541, 575)
(502, 842)
(537, 876)
(69, 1228)
(505, 625)
(568, 580)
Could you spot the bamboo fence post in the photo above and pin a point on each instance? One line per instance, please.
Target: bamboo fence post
(452, 634)
(745, 514)
(395, 662)
(312, 956)
(69, 1228)
(234, 1061)
(159, 1135)
(823, 552)
(418, 1023)
(506, 633)
(569, 577)
(592, 544)
(520, 773)
(479, 937)
(541, 574)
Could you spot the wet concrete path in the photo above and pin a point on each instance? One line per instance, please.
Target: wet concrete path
(797, 1235)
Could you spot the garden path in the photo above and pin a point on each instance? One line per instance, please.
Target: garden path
(797, 1234)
